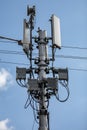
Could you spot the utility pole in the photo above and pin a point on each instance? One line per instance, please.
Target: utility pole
(41, 87)
(42, 75)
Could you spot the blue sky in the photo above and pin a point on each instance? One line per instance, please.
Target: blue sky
(71, 115)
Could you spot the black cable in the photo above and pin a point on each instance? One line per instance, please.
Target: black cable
(34, 110)
(71, 57)
(33, 124)
(15, 40)
(67, 89)
(32, 105)
(34, 99)
(23, 84)
(75, 47)
(28, 102)
(2, 41)
(56, 56)
(19, 82)
(14, 63)
(74, 69)
(35, 117)
(10, 39)
(48, 121)
(11, 52)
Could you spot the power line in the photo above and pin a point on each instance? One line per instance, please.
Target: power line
(11, 52)
(16, 63)
(57, 56)
(4, 41)
(79, 69)
(71, 57)
(15, 40)
(75, 47)
(10, 39)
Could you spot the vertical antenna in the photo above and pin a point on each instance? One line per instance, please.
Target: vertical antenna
(56, 35)
(26, 37)
(31, 12)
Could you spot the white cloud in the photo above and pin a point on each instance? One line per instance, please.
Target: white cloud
(4, 125)
(5, 79)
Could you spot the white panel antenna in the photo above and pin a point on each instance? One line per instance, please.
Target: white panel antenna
(26, 36)
(56, 35)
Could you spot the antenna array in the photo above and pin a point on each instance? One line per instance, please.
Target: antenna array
(41, 87)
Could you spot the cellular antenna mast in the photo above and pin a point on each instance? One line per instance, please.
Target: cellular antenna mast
(43, 79)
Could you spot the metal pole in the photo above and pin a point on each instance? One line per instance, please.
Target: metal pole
(43, 122)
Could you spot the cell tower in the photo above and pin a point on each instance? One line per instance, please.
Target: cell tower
(41, 78)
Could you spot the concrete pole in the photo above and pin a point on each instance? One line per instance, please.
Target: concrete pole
(43, 122)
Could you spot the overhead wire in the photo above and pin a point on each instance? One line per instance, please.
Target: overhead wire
(60, 56)
(65, 47)
(10, 39)
(57, 56)
(75, 47)
(16, 63)
(79, 69)
(11, 52)
(71, 57)
(4, 41)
